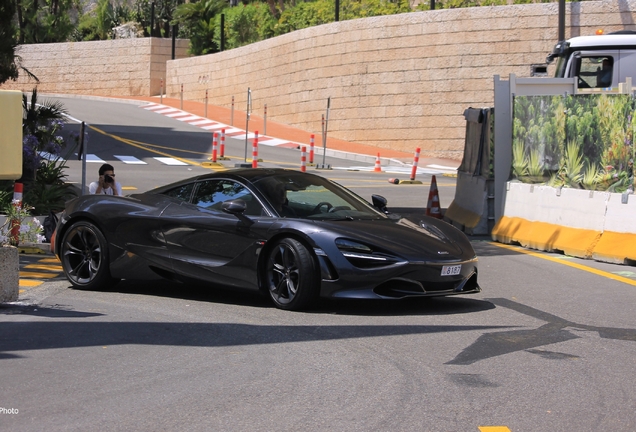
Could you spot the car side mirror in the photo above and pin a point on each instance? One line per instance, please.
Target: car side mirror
(237, 207)
(380, 203)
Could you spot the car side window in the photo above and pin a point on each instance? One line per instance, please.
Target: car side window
(182, 192)
(595, 72)
(211, 194)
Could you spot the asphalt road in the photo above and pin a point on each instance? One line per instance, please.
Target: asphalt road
(549, 345)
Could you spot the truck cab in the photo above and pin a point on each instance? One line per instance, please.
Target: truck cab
(600, 62)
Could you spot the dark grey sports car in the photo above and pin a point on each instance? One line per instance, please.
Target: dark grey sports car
(293, 235)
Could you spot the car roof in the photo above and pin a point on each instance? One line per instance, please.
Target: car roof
(627, 40)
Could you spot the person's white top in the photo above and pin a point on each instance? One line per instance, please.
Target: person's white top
(107, 191)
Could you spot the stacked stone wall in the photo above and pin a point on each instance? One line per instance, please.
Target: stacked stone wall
(121, 67)
(399, 81)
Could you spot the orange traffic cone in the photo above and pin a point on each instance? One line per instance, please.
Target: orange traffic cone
(432, 207)
(378, 167)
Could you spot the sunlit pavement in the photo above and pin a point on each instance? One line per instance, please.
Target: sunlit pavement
(35, 269)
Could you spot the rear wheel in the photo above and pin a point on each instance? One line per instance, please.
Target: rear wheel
(290, 275)
(84, 255)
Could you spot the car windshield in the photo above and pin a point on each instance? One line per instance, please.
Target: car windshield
(306, 196)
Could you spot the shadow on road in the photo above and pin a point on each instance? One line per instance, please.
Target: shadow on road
(403, 307)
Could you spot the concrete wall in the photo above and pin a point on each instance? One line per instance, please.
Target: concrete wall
(400, 81)
(121, 67)
(580, 223)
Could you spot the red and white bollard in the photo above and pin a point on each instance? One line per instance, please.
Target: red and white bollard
(214, 146)
(303, 159)
(416, 159)
(15, 223)
(311, 149)
(255, 151)
(222, 143)
(378, 165)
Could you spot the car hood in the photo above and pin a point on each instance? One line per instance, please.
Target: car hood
(430, 240)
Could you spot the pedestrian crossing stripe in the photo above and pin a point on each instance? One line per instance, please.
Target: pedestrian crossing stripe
(93, 159)
(131, 160)
(170, 161)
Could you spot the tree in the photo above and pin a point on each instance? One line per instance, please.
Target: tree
(8, 44)
(45, 21)
(10, 61)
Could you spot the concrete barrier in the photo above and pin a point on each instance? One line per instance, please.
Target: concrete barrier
(580, 223)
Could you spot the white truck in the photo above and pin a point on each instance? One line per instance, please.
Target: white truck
(601, 61)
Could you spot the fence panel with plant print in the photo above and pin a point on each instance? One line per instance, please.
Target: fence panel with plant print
(578, 141)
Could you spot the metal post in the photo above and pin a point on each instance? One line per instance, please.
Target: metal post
(82, 151)
(432, 4)
(561, 20)
(206, 103)
(161, 92)
(181, 96)
(247, 118)
(232, 114)
(337, 10)
(265, 121)
(324, 135)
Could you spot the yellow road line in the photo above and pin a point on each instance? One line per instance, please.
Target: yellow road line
(494, 429)
(49, 260)
(567, 263)
(48, 267)
(29, 283)
(143, 147)
(38, 275)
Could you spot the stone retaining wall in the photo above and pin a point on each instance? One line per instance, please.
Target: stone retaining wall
(399, 81)
(121, 67)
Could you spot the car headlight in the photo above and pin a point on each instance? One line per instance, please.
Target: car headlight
(361, 255)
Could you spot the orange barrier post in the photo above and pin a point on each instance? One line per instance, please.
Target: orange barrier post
(255, 151)
(378, 166)
(303, 159)
(214, 143)
(311, 149)
(415, 161)
(432, 207)
(222, 143)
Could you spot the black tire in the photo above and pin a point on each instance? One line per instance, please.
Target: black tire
(84, 255)
(291, 277)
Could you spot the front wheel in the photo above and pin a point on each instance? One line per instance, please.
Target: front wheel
(290, 275)
(84, 255)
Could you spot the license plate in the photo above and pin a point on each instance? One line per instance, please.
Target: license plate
(451, 270)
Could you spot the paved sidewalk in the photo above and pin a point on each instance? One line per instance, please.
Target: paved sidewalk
(287, 134)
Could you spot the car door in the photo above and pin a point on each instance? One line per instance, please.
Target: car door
(208, 244)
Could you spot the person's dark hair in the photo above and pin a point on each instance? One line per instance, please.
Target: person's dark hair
(105, 167)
